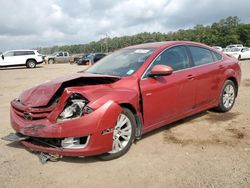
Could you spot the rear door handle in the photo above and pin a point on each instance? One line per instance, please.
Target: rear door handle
(221, 67)
(190, 77)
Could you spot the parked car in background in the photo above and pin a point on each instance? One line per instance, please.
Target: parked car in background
(102, 110)
(234, 46)
(89, 59)
(76, 57)
(234, 52)
(58, 57)
(245, 53)
(218, 48)
(82, 60)
(28, 58)
(239, 52)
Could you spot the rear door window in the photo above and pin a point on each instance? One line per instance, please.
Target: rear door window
(201, 56)
(19, 53)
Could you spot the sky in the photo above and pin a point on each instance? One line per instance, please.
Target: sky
(43, 23)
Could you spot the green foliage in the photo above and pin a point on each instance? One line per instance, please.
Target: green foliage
(226, 31)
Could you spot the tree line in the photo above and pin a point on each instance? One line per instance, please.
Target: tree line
(226, 31)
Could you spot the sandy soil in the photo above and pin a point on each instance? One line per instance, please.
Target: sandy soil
(206, 150)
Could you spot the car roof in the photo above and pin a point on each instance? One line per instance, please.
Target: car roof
(19, 50)
(166, 44)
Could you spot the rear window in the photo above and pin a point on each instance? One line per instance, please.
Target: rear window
(29, 53)
(201, 56)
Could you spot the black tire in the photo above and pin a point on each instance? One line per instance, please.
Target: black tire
(31, 64)
(111, 156)
(239, 57)
(51, 61)
(223, 107)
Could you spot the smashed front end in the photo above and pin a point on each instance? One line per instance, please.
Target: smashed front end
(69, 124)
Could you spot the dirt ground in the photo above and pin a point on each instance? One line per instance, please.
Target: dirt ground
(205, 150)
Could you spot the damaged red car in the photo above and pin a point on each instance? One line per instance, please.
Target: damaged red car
(102, 110)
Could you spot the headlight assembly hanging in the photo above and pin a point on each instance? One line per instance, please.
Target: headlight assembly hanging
(74, 108)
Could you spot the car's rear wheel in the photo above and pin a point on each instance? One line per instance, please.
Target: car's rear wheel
(31, 64)
(227, 97)
(123, 135)
(51, 61)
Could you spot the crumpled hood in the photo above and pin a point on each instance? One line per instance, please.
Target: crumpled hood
(42, 94)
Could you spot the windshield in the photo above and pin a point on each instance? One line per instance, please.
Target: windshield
(121, 63)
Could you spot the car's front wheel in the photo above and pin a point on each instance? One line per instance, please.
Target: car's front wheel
(31, 64)
(123, 135)
(227, 97)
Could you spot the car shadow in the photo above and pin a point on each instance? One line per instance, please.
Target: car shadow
(16, 145)
(151, 133)
(174, 124)
(16, 68)
(92, 159)
(68, 159)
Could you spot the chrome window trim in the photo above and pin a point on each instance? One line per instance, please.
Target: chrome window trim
(143, 77)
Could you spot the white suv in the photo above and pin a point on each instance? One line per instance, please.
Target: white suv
(29, 58)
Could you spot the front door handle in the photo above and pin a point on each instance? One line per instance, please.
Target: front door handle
(190, 77)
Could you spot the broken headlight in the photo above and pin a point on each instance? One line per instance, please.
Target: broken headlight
(74, 108)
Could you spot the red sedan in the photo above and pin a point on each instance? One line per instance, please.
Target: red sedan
(102, 110)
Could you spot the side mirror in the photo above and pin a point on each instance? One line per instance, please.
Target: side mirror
(161, 70)
(2, 56)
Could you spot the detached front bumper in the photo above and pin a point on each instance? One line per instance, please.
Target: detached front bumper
(96, 126)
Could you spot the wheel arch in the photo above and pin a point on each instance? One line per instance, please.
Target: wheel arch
(129, 106)
(234, 80)
(138, 119)
(31, 59)
(51, 58)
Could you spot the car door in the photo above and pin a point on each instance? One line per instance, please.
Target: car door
(20, 57)
(166, 97)
(66, 57)
(60, 57)
(207, 75)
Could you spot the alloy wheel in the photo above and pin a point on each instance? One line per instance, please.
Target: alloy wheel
(228, 96)
(122, 133)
